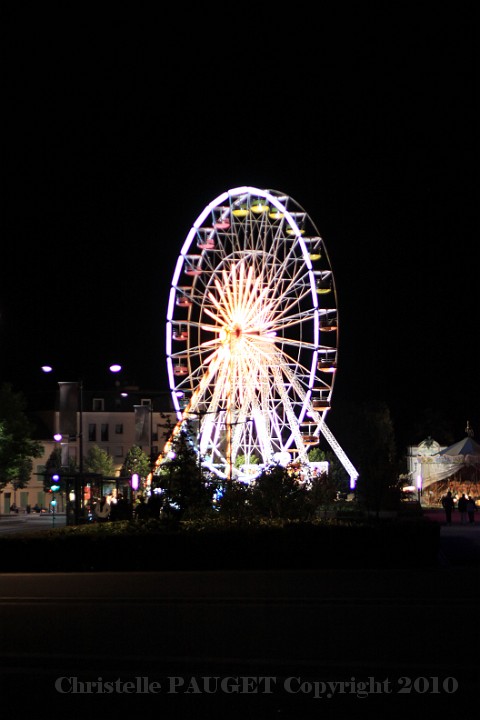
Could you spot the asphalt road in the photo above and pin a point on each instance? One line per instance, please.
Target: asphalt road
(31, 522)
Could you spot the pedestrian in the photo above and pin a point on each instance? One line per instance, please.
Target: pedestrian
(462, 508)
(471, 508)
(102, 510)
(121, 510)
(141, 509)
(448, 505)
(154, 505)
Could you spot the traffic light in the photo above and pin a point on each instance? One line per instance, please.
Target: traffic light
(55, 483)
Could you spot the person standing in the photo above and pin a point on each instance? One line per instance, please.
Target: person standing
(462, 508)
(154, 505)
(141, 509)
(121, 510)
(448, 505)
(471, 508)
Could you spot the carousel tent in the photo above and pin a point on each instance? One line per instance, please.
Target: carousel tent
(467, 450)
(458, 463)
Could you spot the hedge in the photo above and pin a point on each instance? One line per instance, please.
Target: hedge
(295, 545)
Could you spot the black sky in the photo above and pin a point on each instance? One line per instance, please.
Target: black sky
(115, 141)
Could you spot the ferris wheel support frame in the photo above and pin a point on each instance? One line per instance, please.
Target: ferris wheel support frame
(341, 455)
(270, 305)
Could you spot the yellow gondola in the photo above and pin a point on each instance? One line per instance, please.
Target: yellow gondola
(293, 231)
(259, 206)
(323, 287)
(275, 214)
(241, 211)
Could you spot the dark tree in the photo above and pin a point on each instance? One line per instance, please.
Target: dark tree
(187, 493)
(374, 452)
(17, 449)
(235, 504)
(278, 493)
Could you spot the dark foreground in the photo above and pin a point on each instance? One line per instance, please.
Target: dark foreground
(260, 643)
(376, 636)
(156, 546)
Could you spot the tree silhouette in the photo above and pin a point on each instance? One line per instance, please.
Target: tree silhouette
(186, 491)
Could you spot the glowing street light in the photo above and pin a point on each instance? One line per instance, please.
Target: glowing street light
(419, 486)
(135, 481)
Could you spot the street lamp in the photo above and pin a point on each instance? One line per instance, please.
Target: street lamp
(134, 482)
(144, 419)
(419, 487)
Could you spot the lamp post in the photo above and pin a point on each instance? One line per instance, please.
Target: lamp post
(144, 430)
(419, 487)
(134, 483)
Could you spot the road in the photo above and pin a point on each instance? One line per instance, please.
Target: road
(23, 522)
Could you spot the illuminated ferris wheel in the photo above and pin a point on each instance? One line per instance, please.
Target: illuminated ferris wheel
(252, 331)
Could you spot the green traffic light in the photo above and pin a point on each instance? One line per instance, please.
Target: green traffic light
(55, 483)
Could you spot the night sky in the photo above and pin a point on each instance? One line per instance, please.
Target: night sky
(114, 142)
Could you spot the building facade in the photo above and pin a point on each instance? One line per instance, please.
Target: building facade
(112, 421)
